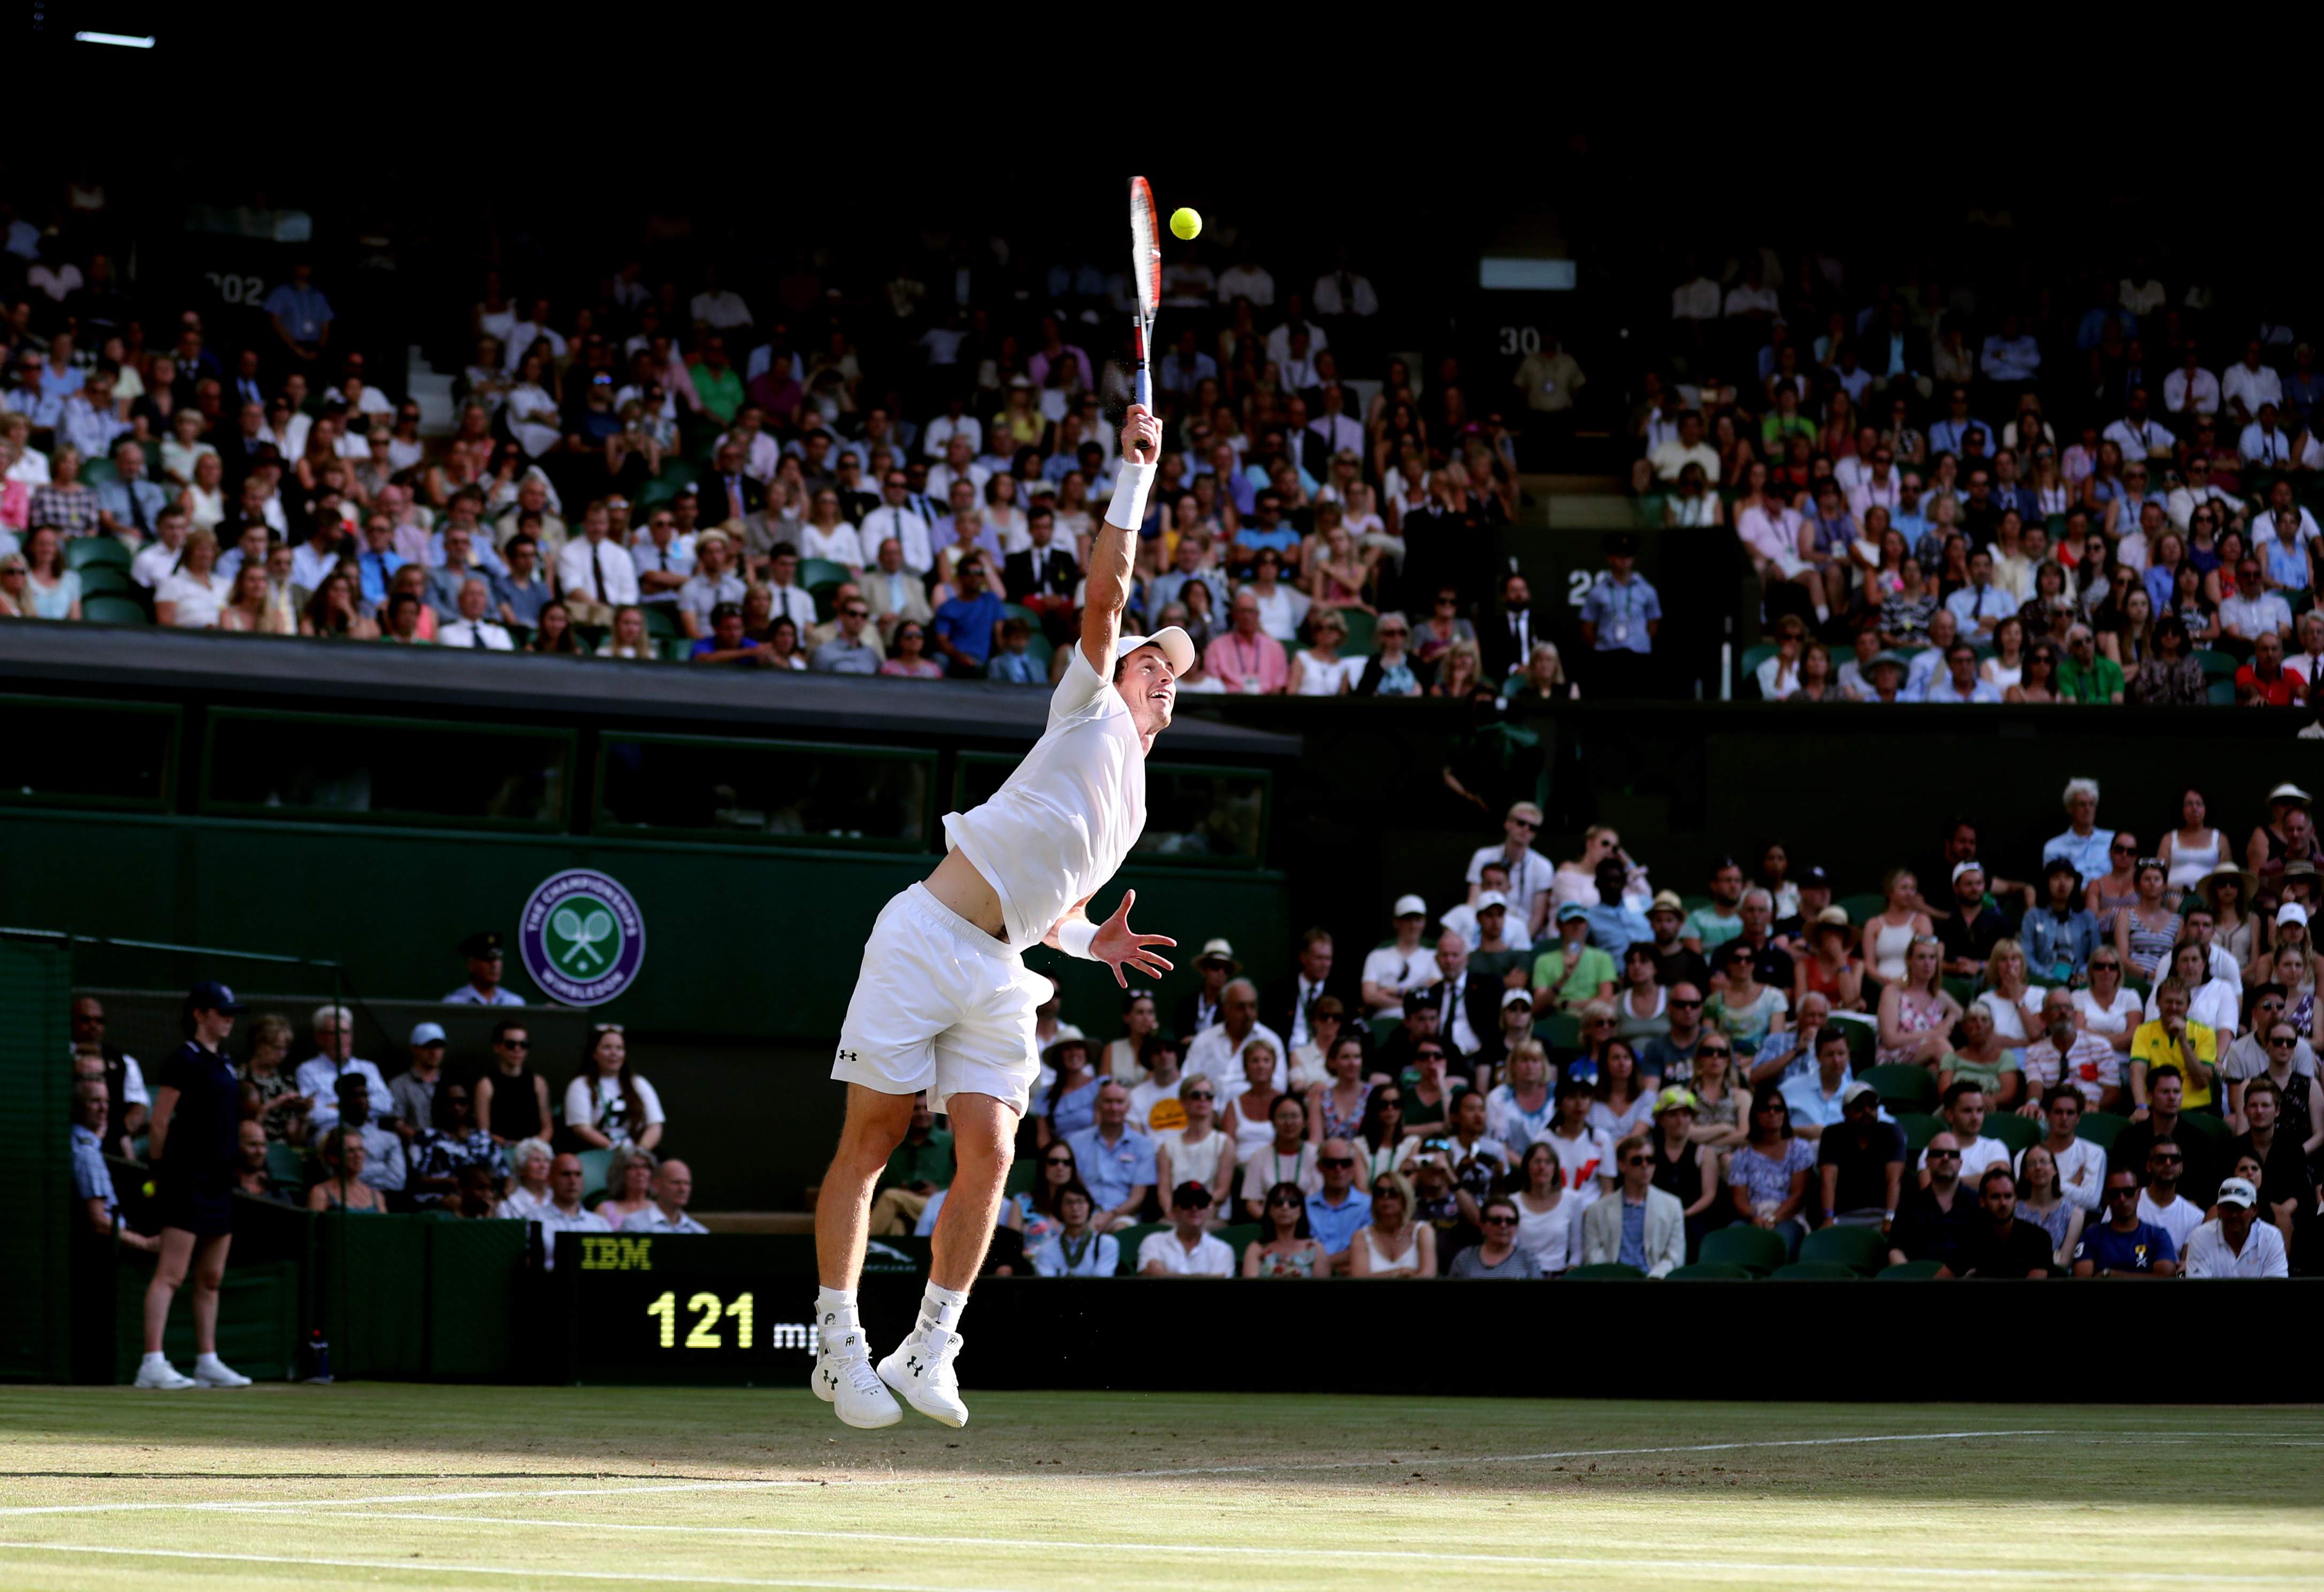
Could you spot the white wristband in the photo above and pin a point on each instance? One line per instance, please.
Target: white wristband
(1074, 937)
(1129, 490)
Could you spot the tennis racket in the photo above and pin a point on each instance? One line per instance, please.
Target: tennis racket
(1146, 275)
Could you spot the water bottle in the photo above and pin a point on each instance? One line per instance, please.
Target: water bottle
(318, 1357)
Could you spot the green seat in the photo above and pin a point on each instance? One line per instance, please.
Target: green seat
(2216, 665)
(105, 580)
(81, 551)
(1558, 1031)
(1239, 1238)
(2212, 1128)
(1130, 1238)
(1019, 611)
(1694, 903)
(1903, 1087)
(1909, 1271)
(1754, 1249)
(1038, 648)
(814, 572)
(1861, 909)
(98, 472)
(677, 649)
(2220, 694)
(2101, 1127)
(678, 473)
(596, 1166)
(1963, 991)
(1607, 1270)
(1361, 626)
(1022, 1171)
(1862, 1250)
(1747, 675)
(1710, 1272)
(1919, 1127)
(286, 1164)
(110, 610)
(826, 594)
(662, 621)
(1811, 1271)
(1383, 1028)
(654, 493)
(2019, 1133)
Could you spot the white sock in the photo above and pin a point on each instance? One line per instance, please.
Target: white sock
(943, 1306)
(209, 1361)
(157, 1358)
(836, 1307)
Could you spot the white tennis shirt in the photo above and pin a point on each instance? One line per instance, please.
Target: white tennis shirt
(1059, 827)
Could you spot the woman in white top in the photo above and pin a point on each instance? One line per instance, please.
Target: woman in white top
(184, 446)
(2194, 848)
(1002, 515)
(1622, 1102)
(1198, 1152)
(1281, 608)
(1319, 671)
(2015, 1004)
(192, 597)
(2007, 666)
(1519, 1111)
(2106, 1009)
(1392, 1245)
(607, 1105)
(533, 414)
(51, 591)
(1889, 933)
(204, 501)
(1121, 1061)
(1585, 1160)
(251, 607)
(827, 536)
(1252, 1113)
(1287, 1157)
(628, 637)
(1549, 1224)
(2215, 1003)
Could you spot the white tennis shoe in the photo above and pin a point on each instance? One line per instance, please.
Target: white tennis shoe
(160, 1375)
(921, 1369)
(843, 1378)
(210, 1371)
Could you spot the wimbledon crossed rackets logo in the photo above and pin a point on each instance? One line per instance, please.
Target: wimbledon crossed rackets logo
(582, 937)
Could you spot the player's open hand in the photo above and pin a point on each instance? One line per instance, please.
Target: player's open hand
(1141, 443)
(1114, 945)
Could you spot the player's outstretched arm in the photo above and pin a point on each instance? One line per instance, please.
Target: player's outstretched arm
(1111, 941)
(1114, 549)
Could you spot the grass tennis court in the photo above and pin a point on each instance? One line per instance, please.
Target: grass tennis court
(424, 1486)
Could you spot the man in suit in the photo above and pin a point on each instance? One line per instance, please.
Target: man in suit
(1304, 446)
(1340, 431)
(1655, 1244)
(1468, 1006)
(1508, 638)
(729, 493)
(1043, 576)
(1283, 1004)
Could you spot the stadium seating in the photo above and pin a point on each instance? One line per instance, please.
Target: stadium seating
(1754, 1249)
(1863, 1250)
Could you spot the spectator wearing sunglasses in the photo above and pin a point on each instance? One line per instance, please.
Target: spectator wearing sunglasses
(1498, 1255)
(1638, 1225)
(1289, 1249)
(1338, 1210)
(2125, 1245)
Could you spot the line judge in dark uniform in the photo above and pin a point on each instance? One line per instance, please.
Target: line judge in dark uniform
(195, 1148)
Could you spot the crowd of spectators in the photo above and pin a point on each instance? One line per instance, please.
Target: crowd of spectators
(337, 1132)
(2100, 1062)
(667, 466)
(2086, 492)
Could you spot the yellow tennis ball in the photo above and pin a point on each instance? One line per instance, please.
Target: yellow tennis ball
(1185, 222)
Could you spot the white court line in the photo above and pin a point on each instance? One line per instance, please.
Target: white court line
(1175, 1550)
(1697, 1566)
(263, 1505)
(424, 1567)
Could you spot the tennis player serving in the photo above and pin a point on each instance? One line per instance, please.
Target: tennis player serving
(945, 1002)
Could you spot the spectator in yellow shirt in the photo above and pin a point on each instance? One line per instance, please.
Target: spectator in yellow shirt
(2172, 1040)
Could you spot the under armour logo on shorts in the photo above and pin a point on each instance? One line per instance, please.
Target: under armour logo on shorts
(850, 1057)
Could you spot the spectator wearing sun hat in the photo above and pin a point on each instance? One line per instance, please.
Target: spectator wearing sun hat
(1393, 972)
(1200, 1008)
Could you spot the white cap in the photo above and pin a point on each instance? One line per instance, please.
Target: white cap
(1972, 866)
(1177, 646)
(2292, 912)
(2237, 1191)
(1413, 907)
(1491, 898)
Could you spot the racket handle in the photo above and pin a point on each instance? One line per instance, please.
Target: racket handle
(1144, 387)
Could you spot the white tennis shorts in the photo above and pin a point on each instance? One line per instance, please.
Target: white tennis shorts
(940, 1005)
